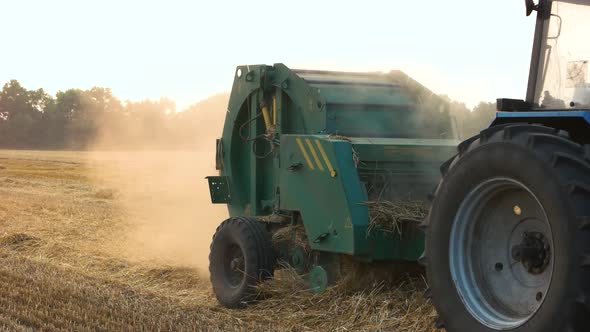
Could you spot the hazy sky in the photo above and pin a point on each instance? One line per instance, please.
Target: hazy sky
(471, 50)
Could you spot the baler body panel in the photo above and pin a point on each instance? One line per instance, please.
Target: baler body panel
(329, 192)
(328, 202)
(321, 144)
(379, 105)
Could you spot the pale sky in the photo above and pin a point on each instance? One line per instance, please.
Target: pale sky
(471, 50)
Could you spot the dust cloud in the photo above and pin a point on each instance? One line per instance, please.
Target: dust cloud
(155, 164)
(163, 193)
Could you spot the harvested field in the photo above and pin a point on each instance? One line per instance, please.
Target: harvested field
(119, 241)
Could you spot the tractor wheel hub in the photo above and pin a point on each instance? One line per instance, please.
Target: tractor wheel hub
(533, 252)
(236, 264)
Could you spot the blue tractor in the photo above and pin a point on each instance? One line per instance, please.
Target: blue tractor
(508, 235)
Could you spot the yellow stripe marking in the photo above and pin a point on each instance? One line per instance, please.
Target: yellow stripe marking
(274, 110)
(266, 116)
(304, 153)
(326, 160)
(314, 154)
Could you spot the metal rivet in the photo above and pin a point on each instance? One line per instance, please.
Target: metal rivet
(517, 210)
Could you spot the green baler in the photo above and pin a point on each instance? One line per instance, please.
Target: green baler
(301, 153)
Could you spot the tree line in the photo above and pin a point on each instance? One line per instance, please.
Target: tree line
(82, 119)
(95, 118)
(471, 121)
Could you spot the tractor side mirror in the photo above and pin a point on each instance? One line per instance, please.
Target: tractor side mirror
(530, 6)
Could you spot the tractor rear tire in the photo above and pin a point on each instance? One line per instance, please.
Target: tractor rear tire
(241, 256)
(508, 234)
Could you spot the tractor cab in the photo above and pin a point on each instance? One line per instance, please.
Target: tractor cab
(559, 67)
(559, 78)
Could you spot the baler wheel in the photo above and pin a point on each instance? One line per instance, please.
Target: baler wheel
(299, 260)
(318, 279)
(508, 235)
(241, 256)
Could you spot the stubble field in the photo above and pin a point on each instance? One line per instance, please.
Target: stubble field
(119, 241)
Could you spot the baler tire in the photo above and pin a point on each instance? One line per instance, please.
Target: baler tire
(248, 239)
(557, 171)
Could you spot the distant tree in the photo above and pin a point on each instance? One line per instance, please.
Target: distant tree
(69, 102)
(460, 114)
(83, 113)
(41, 137)
(470, 122)
(483, 114)
(199, 123)
(70, 105)
(150, 121)
(38, 100)
(14, 99)
(21, 113)
(102, 100)
(52, 128)
(74, 118)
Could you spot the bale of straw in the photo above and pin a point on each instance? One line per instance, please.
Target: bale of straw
(390, 216)
(293, 234)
